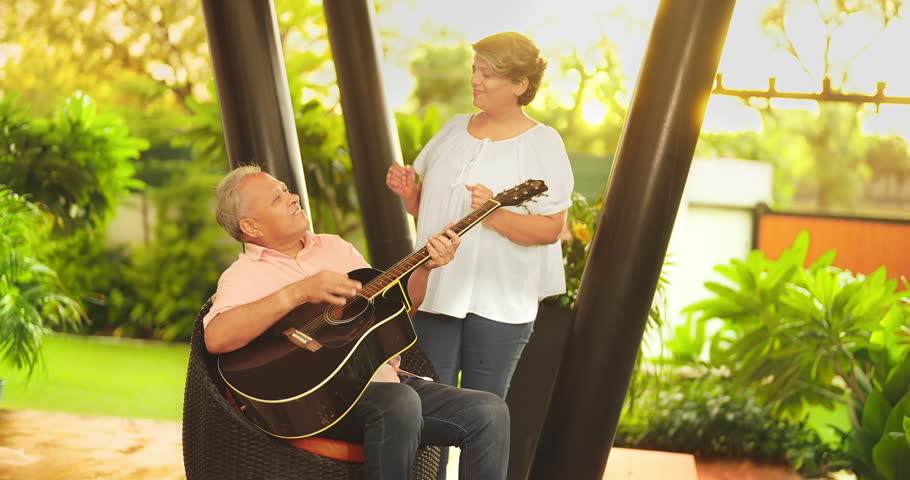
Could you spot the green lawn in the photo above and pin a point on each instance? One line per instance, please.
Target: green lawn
(102, 376)
(591, 173)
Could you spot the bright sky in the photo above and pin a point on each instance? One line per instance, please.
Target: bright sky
(748, 60)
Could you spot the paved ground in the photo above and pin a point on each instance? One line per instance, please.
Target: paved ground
(38, 445)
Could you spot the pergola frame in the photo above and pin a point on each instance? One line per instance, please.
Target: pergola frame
(642, 198)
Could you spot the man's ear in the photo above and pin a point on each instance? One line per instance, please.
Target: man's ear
(250, 227)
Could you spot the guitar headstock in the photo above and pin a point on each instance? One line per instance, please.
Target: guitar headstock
(520, 194)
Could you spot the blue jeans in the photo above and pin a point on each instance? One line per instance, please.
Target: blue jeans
(394, 419)
(483, 350)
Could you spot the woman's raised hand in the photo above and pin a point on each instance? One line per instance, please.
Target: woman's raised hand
(402, 180)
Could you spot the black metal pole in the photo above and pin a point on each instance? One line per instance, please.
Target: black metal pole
(252, 86)
(372, 136)
(642, 198)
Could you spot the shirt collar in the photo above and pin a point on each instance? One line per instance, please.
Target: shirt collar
(255, 252)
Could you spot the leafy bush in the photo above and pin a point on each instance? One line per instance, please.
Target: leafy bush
(76, 165)
(710, 417)
(32, 299)
(581, 221)
(165, 282)
(878, 447)
(328, 169)
(414, 132)
(819, 335)
(94, 273)
(803, 327)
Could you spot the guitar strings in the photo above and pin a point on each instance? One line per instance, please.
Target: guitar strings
(459, 227)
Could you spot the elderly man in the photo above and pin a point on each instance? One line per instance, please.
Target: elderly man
(283, 265)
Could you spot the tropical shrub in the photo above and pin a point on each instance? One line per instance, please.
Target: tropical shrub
(878, 447)
(328, 169)
(817, 335)
(581, 222)
(32, 298)
(76, 165)
(165, 282)
(415, 132)
(802, 326)
(95, 272)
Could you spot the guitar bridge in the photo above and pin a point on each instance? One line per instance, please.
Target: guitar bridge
(302, 340)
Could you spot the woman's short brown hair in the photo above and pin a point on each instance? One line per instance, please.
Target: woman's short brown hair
(514, 56)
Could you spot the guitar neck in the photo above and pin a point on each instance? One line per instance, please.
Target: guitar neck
(396, 272)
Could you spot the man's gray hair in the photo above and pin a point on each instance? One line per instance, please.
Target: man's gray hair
(228, 201)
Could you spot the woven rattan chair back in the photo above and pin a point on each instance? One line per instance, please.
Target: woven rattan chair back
(219, 443)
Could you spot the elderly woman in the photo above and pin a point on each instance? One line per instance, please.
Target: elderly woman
(478, 313)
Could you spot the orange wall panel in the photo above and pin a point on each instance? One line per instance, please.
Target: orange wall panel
(862, 245)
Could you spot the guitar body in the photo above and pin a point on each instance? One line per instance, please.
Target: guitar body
(290, 391)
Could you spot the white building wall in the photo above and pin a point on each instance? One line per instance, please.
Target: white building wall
(128, 227)
(714, 224)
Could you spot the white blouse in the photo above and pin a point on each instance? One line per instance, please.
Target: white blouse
(491, 276)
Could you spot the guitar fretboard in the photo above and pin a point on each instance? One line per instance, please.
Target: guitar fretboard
(395, 273)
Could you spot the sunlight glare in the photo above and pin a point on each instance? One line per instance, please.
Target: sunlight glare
(593, 112)
(810, 106)
(162, 71)
(750, 55)
(891, 120)
(730, 115)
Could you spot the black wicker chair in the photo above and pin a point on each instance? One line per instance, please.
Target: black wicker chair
(220, 444)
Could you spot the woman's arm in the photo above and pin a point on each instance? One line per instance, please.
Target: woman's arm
(527, 229)
(517, 227)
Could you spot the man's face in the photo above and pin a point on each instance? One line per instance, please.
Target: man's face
(270, 214)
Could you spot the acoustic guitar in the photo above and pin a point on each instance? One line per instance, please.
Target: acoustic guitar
(307, 371)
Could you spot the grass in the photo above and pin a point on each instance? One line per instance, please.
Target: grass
(591, 173)
(102, 376)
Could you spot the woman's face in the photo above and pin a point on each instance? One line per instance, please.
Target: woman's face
(491, 91)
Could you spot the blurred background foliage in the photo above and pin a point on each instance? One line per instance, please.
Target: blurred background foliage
(111, 143)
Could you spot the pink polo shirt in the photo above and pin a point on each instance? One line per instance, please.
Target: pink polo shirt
(259, 272)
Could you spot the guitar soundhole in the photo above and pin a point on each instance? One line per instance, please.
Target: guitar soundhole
(341, 314)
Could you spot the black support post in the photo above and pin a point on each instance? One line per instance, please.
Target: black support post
(252, 86)
(642, 199)
(372, 136)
